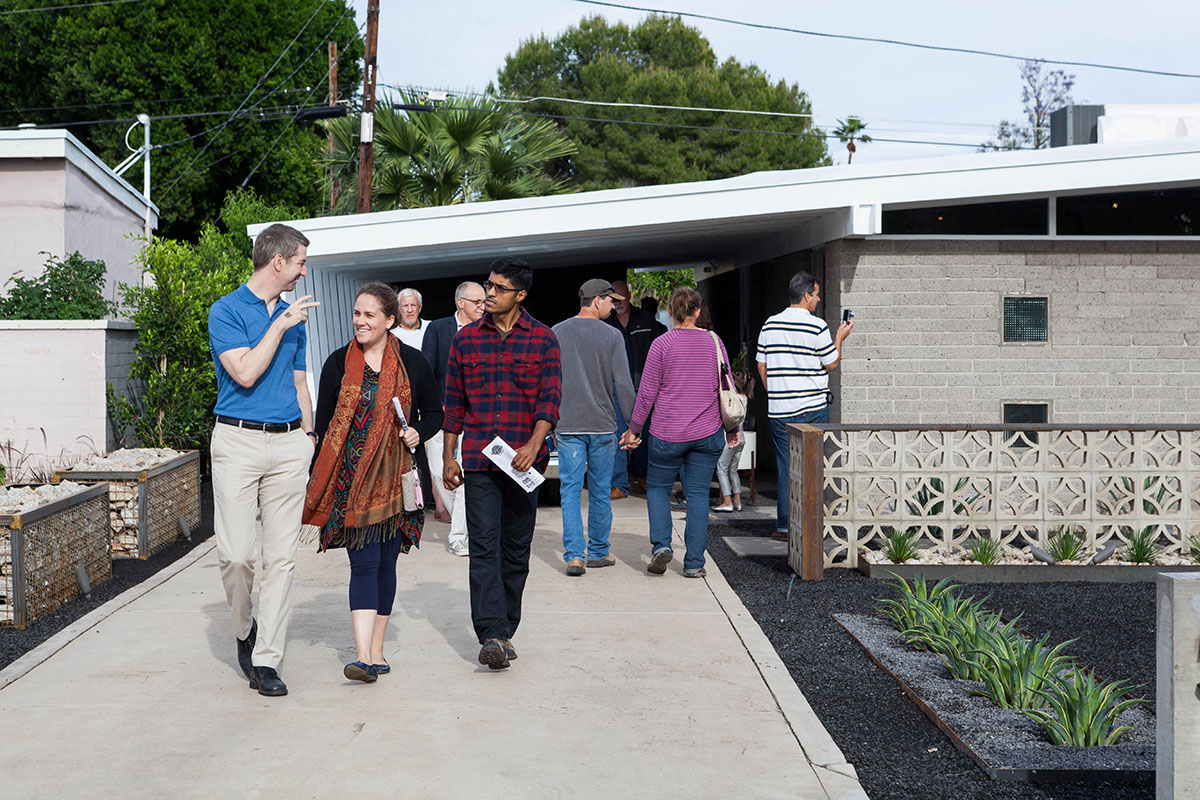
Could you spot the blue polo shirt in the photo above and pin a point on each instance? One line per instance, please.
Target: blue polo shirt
(240, 319)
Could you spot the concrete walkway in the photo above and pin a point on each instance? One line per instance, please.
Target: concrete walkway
(627, 685)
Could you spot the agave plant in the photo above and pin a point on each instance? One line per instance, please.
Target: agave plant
(901, 546)
(1143, 547)
(1193, 543)
(963, 636)
(905, 610)
(1016, 670)
(1083, 711)
(1066, 545)
(983, 549)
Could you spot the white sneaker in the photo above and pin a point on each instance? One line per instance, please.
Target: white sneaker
(458, 547)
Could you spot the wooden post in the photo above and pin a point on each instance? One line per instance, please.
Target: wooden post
(806, 504)
(367, 131)
(333, 99)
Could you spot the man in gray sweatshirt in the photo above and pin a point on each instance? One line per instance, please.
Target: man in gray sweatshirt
(593, 363)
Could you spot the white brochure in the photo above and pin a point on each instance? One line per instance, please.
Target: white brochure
(500, 454)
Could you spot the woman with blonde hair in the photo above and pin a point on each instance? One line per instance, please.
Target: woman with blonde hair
(680, 384)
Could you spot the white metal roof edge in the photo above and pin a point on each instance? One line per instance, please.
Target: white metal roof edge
(60, 143)
(972, 176)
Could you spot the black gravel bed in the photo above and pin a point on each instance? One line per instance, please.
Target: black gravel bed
(1005, 739)
(897, 751)
(126, 573)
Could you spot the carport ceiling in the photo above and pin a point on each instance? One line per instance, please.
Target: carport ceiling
(681, 244)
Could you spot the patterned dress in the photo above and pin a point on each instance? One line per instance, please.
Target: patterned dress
(336, 533)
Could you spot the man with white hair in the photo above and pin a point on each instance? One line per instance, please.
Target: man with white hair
(411, 329)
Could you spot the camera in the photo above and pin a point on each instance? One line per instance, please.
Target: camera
(847, 315)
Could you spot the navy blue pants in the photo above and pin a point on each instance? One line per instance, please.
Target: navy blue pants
(500, 519)
(373, 576)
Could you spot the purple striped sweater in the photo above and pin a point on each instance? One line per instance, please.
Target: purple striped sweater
(680, 383)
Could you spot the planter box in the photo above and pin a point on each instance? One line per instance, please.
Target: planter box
(1019, 573)
(147, 506)
(40, 551)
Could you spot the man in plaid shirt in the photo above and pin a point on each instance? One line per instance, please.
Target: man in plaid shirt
(503, 378)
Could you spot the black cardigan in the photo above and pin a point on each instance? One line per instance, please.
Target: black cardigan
(426, 401)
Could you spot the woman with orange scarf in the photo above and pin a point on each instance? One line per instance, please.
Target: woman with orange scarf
(362, 491)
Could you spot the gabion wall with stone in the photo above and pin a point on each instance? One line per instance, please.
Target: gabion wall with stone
(40, 550)
(146, 503)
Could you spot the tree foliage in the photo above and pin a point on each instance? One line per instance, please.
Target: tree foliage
(163, 58)
(660, 61)
(464, 152)
(70, 288)
(1041, 94)
(847, 131)
(173, 369)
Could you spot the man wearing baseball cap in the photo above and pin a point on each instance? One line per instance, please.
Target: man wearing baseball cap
(594, 363)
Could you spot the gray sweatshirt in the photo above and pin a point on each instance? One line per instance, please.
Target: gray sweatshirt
(593, 361)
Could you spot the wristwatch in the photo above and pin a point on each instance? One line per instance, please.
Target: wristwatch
(316, 439)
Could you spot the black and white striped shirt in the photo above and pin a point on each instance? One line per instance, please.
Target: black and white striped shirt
(795, 346)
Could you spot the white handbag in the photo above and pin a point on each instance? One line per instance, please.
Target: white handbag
(732, 404)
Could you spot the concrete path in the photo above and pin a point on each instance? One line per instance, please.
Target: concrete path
(627, 685)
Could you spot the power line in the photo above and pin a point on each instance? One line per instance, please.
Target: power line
(257, 84)
(154, 101)
(63, 8)
(286, 128)
(897, 42)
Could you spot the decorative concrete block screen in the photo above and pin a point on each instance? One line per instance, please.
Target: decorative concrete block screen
(1020, 484)
(40, 551)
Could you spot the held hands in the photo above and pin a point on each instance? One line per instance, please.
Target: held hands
(844, 330)
(733, 438)
(452, 476)
(630, 440)
(297, 312)
(523, 460)
(411, 438)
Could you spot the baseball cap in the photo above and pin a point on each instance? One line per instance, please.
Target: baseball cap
(598, 287)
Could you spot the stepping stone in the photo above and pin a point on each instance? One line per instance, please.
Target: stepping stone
(743, 546)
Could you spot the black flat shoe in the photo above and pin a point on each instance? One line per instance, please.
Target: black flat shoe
(266, 681)
(245, 649)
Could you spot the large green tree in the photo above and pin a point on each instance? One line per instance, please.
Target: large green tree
(661, 61)
(180, 57)
(462, 152)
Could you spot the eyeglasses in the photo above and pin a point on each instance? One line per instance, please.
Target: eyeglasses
(478, 302)
(488, 285)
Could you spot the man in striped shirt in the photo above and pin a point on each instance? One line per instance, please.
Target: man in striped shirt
(795, 356)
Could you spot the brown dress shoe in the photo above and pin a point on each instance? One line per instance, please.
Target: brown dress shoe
(617, 494)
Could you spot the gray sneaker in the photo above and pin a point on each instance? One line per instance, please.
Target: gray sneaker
(607, 561)
(658, 562)
(493, 654)
(697, 572)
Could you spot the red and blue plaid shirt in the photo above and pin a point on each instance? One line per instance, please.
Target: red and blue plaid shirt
(502, 387)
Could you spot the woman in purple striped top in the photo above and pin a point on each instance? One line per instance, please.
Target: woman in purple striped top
(680, 383)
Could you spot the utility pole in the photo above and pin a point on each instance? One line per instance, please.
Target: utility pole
(333, 98)
(367, 131)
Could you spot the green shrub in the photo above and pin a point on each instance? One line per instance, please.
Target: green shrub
(906, 610)
(901, 546)
(1143, 546)
(67, 289)
(983, 549)
(1083, 711)
(1066, 545)
(1016, 669)
(1193, 547)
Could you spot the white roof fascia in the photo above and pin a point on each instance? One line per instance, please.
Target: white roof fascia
(57, 143)
(860, 191)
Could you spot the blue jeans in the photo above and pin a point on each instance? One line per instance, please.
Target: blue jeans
(620, 467)
(593, 453)
(779, 435)
(699, 456)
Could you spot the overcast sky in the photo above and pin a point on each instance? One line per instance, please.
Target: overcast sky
(902, 93)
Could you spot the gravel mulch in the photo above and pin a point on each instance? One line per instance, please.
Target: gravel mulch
(898, 752)
(127, 573)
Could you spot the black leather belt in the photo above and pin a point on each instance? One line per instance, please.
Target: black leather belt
(266, 427)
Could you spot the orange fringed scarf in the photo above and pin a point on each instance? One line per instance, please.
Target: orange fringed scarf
(375, 494)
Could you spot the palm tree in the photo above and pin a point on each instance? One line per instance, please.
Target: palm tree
(463, 152)
(847, 131)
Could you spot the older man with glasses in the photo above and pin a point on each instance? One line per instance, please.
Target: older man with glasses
(468, 300)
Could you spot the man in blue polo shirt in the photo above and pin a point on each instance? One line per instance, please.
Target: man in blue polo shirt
(261, 446)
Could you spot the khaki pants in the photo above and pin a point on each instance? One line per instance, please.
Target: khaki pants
(254, 471)
(452, 500)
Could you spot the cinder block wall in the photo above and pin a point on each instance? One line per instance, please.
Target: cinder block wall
(1124, 330)
(57, 373)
